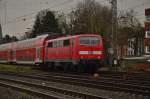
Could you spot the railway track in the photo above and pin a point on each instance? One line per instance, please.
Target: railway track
(26, 87)
(105, 78)
(111, 84)
(42, 90)
(126, 86)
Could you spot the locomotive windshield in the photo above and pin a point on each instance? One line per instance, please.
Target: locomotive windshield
(89, 41)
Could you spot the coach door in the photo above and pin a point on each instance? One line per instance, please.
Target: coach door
(14, 55)
(37, 54)
(10, 55)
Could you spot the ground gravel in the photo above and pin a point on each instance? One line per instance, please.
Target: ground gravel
(92, 91)
(8, 93)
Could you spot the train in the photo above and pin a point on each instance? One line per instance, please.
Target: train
(81, 53)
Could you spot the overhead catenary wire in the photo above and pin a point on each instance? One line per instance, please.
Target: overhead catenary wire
(20, 18)
(29, 15)
(145, 3)
(24, 17)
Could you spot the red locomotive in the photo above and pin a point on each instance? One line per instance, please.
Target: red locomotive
(78, 52)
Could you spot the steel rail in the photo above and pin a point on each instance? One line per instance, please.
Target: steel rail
(111, 85)
(52, 88)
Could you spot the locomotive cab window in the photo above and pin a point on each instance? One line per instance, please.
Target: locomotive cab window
(89, 41)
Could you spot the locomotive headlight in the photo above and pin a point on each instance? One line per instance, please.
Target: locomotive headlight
(83, 52)
(148, 60)
(97, 52)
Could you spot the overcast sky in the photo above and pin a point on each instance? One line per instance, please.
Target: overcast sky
(13, 12)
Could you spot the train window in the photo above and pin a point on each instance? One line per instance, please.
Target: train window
(66, 42)
(94, 41)
(61, 43)
(58, 43)
(89, 41)
(84, 40)
(50, 45)
(54, 44)
(147, 49)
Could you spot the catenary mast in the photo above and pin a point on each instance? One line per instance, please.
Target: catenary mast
(0, 33)
(113, 36)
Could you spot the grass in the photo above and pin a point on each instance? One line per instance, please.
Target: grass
(131, 65)
(17, 68)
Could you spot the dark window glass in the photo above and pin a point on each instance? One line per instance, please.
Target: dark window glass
(49, 44)
(66, 43)
(61, 43)
(148, 48)
(89, 41)
(148, 34)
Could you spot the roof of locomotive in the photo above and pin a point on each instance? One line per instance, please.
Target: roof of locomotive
(71, 36)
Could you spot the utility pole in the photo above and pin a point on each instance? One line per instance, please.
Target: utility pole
(113, 38)
(114, 26)
(5, 1)
(0, 33)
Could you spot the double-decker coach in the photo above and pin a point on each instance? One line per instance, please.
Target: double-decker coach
(30, 51)
(5, 53)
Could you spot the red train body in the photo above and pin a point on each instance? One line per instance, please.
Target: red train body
(75, 49)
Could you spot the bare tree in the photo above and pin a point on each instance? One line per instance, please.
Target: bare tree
(130, 27)
(63, 23)
(91, 17)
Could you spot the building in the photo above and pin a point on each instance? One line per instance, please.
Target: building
(143, 62)
(147, 32)
(131, 46)
(135, 46)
